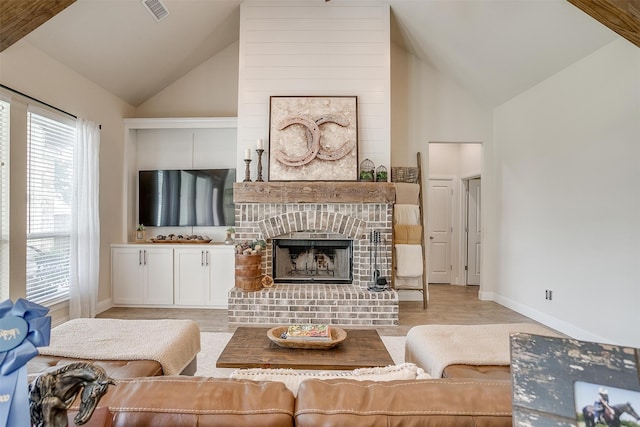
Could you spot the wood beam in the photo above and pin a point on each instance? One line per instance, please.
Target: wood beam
(622, 16)
(19, 17)
(314, 192)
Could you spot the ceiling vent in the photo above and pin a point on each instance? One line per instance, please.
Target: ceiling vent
(156, 8)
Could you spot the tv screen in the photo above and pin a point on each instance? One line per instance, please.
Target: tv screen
(186, 197)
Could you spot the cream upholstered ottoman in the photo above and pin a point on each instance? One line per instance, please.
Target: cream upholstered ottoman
(171, 345)
(436, 347)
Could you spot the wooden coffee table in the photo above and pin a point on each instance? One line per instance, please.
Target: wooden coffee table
(251, 348)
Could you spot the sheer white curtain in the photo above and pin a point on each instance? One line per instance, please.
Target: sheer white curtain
(85, 222)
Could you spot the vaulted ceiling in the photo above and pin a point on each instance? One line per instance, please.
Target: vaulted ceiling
(495, 49)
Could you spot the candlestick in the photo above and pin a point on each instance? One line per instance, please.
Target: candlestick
(260, 144)
(247, 173)
(259, 151)
(247, 154)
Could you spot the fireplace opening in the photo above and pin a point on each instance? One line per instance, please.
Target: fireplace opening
(312, 261)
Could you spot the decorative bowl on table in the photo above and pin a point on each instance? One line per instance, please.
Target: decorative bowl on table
(275, 335)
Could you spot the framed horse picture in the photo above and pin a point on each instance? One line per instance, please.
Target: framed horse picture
(566, 382)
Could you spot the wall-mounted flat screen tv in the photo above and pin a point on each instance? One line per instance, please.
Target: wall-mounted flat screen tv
(186, 197)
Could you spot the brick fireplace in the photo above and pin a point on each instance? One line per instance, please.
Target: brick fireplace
(319, 211)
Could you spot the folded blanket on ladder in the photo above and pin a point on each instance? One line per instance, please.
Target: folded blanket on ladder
(407, 234)
(408, 260)
(406, 193)
(406, 214)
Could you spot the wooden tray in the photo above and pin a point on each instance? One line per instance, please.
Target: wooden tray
(337, 336)
(180, 241)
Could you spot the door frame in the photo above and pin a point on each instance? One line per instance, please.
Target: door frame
(464, 216)
(459, 212)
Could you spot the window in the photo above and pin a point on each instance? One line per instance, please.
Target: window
(50, 151)
(4, 200)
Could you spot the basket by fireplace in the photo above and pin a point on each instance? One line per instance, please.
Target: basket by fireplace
(249, 272)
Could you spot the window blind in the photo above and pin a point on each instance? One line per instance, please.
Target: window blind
(4, 200)
(50, 150)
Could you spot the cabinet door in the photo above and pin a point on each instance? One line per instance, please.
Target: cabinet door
(127, 278)
(221, 275)
(158, 266)
(191, 276)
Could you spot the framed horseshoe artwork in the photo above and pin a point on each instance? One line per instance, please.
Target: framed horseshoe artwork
(313, 138)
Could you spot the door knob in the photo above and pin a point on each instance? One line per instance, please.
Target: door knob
(431, 237)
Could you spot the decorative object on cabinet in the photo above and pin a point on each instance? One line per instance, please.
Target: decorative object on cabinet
(313, 138)
(408, 263)
(181, 238)
(140, 234)
(367, 171)
(229, 240)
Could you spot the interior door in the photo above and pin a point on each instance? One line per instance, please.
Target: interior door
(474, 240)
(439, 224)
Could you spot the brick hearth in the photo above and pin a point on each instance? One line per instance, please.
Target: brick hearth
(317, 211)
(310, 303)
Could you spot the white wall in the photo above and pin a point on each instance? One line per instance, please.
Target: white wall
(210, 90)
(27, 69)
(427, 106)
(315, 48)
(567, 158)
(470, 160)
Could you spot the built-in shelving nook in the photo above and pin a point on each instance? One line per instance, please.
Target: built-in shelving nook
(174, 143)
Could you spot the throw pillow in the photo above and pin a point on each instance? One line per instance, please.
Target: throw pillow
(292, 378)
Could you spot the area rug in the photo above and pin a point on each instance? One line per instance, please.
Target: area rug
(212, 344)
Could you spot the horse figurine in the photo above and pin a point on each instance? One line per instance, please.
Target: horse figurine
(52, 393)
(611, 419)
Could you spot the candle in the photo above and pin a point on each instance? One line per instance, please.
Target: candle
(247, 154)
(260, 144)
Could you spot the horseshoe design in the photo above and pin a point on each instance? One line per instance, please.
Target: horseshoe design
(313, 144)
(339, 152)
(314, 148)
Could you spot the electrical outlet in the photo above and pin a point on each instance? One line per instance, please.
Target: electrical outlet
(548, 294)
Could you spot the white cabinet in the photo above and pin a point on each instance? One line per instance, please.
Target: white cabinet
(203, 276)
(142, 275)
(166, 274)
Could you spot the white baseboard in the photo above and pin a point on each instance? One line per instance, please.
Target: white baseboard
(552, 322)
(104, 305)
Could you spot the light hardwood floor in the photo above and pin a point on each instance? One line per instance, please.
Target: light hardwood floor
(453, 305)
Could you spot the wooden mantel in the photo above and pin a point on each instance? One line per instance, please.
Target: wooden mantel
(314, 192)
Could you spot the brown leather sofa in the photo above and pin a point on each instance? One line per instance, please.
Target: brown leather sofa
(204, 402)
